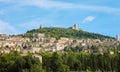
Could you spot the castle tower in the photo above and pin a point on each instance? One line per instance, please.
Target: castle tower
(75, 27)
(41, 26)
(117, 37)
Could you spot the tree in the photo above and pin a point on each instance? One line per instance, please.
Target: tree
(57, 64)
(36, 68)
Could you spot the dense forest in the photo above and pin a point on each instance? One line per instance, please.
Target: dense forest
(13, 62)
(65, 32)
(81, 62)
(60, 62)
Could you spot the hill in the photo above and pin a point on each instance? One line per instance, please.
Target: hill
(65, 32)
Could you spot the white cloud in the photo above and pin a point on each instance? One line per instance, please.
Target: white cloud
(52, 4)
(64, 5)
(88, 19)
(46, 4)
(6, 28)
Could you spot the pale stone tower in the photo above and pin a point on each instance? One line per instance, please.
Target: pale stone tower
(75, 27)
(117, 37)
(41, 26)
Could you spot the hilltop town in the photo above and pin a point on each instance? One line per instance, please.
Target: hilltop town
(39, 42)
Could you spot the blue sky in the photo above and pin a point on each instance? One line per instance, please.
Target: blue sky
(98, 16)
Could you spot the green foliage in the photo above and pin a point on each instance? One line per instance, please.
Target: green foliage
(36, 68)
(46, 58)
(76, 49)
(17, 63)
(54, 63)
(65, 32)
(58, 62)
(84, 62)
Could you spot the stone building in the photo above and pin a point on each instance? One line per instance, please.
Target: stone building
(75, 27)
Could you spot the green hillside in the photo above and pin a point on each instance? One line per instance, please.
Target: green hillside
(65, 32)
